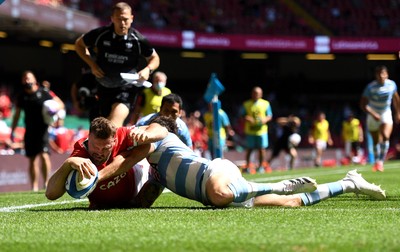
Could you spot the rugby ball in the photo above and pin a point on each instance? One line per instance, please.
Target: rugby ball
(295, 139)
(49, 111)
(78, 187)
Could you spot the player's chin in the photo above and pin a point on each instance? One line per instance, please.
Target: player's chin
(98, 161)
(123, 30)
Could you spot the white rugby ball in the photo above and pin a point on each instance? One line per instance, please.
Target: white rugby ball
(78, 187)
(295, 139)
(49, 111)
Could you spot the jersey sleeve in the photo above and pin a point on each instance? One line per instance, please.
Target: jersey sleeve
(146, 48)
(365, 92)
(224, 119)
(183, 133)
(268, 112)
(125, 141)
(90, 37)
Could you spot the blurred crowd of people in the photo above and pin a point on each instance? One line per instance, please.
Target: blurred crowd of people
(349, 18)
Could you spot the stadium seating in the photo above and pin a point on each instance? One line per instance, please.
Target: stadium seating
(343, 18)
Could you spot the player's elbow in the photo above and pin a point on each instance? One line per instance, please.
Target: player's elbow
(52, 195)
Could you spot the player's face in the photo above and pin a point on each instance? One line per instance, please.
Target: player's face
(382, 76)
(29, 82)
(100, 149)
(171, 109)
(256, 94)
(122, 21)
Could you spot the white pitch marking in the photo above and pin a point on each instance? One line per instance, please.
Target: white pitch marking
(15, 208)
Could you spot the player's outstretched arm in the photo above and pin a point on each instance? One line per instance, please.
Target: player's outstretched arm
(148, 133)
(125, 161)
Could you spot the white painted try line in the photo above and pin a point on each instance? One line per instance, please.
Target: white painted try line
(16, 208)
(29, 206)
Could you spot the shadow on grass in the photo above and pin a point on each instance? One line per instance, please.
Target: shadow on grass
(123, 208)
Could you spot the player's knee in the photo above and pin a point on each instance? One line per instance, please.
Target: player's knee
(218, 193)
(220, 198)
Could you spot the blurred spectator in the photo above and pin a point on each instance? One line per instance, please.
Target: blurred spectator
(60, 137)
(47, 87)
(288, 139)
(5, 104)
(198, 133)
(84, 95)
(149, 100)
(320, 137)
(353, 136)
(256, 113)
(36, 138)
(8, 147)
(5, 131)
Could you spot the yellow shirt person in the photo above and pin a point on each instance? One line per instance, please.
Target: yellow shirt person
(320, 137)
(353, 136)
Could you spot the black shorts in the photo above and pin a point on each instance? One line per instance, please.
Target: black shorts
(36, 141)
(108, 96)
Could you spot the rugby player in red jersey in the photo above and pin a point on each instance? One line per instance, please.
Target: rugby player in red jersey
(107, 144)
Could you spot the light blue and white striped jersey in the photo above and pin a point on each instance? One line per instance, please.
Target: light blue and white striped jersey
(380, 96)
(178, 168)
(183, 130)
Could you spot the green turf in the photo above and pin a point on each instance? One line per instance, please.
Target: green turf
(31, 223)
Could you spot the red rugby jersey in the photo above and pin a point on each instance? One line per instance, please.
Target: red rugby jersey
(116, 191)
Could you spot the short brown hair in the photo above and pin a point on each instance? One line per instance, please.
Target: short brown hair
(102, 128)
(120, 6)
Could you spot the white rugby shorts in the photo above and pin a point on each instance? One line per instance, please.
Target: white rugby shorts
(141, 170)
(320, 144)
(373, 125)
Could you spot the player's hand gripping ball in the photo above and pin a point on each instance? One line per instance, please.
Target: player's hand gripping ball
(78, 187)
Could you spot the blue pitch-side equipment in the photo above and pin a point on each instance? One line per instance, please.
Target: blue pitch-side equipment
(370, 148)
(215, 88)
(217, 141)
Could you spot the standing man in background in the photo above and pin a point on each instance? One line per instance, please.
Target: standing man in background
(290, 125)
(353, 136)
(320, 137)
(257, 113)
(376, 100)
(36, 138)
(149, 101)
(117, 49)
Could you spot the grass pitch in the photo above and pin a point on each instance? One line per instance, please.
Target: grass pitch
(29, 222)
